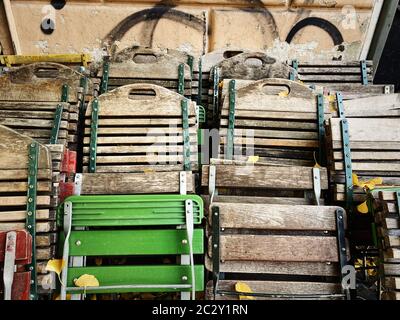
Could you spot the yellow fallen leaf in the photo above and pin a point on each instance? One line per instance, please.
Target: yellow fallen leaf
(363, 207)
(368, 184)
(148, 170)
(243, 287)
(332, 103)
(283, 94)
(356, 182)
(86, 280)
(253, 159)
(56, 265)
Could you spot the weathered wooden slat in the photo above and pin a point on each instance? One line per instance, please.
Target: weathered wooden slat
(132, 183)
(34, 106)
(139, 130)
(15, 174)
(120, 122)
(45, 253)
(138, 168)
(274, 177)
(7, 216)
(284, 134)
(326, 70)
(21, 200)
(384, 105)
(277, 248)
(386, 195)
(265, 114)
(332, 78)
(276, 217)
(150, 159)
(31, 123)
(273, 142)
(274, 287)
(127, 149)
(371, 155)
(40, 226)
(334, 64)
(140, 139)
(239, 123)
(370, 166)
(256, 200)
(274, 267)
(270, 160)
(32, 114)
(367, 130)
(391, 269)
(9, 186)
(355, 91)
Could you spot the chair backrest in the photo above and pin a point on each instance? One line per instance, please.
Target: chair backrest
(134, 226)
(282, 241)
(226, 177)
(140, 127)
(145, 65)
(277, 120)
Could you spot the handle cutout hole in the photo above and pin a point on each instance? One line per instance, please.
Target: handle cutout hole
(44, 72)
(253, 62)
(231, 53)
(276, 89)
(142, 94)
(144, 58)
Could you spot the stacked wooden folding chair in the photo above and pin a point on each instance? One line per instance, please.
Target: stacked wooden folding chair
(362, 140)
(363, 160)
(137, 65)
(42, 101)
(140, 159)
(202, 74)
(386, 207)
(353, 79)
(269, 242)
(270, 137)
(28, 200)
(40, 97)
(244, 66)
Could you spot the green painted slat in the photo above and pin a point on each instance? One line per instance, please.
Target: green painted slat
(134, 242)
(133, 210)
(129, 275)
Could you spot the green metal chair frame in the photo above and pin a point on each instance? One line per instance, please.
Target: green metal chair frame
(183, 211)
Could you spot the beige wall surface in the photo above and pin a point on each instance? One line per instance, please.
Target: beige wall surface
(287, 29)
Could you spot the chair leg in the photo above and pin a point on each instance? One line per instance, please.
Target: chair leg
(9, 263)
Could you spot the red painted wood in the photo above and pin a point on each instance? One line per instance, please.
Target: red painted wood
(23, 252)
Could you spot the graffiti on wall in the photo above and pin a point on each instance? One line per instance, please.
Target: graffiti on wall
(167, 10)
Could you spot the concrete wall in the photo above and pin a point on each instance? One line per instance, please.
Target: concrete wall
(303, 29)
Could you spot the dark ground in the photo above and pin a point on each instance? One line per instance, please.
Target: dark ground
(389, 67)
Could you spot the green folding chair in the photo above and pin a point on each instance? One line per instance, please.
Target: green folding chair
(101, 226)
